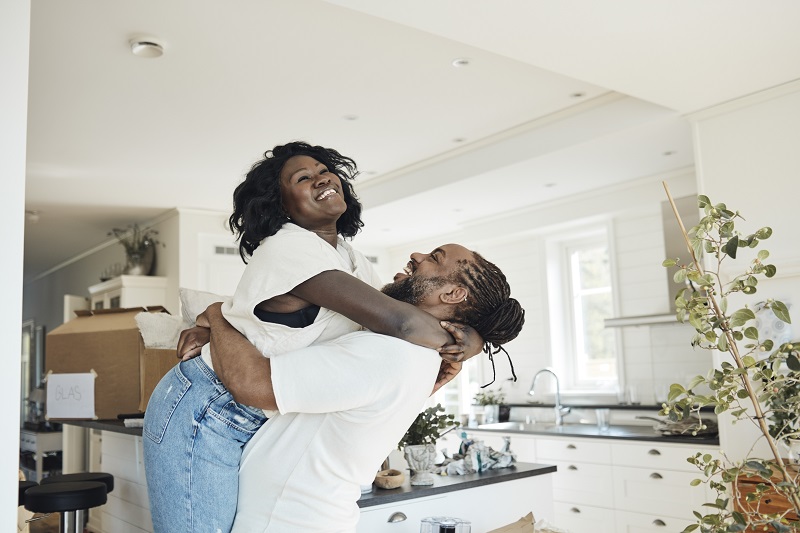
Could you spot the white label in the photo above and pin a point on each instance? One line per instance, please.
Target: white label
(70, 395)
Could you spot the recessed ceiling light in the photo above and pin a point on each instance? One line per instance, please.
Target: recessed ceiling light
(669, 153)
(577, 95)
(460, 62)
(350, 117)
(459, 140)
(146, 48)
(549, 185)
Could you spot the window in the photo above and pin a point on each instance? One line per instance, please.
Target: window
(580, 294)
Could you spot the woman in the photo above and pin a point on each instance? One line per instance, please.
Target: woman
(303, 284)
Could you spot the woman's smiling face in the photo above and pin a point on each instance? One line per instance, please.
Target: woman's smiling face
(311, 194)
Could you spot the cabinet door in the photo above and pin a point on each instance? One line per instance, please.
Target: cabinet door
(403, 517)
(658, 455)
(648, 523)
(583, 483)
(577, 518)
(658, 492)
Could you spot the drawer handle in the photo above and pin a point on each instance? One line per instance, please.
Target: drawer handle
(575, 510)
(572, 467)
(659, 522)
(654, 452)
(571, 447)
(656, 475)
(397, 517)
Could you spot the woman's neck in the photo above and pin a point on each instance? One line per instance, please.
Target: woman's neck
(328, 235)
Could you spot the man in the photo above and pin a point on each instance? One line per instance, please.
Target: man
(345, 404)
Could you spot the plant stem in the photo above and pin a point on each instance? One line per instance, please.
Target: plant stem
(733, 349)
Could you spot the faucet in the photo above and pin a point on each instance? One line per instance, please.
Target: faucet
(560, 410)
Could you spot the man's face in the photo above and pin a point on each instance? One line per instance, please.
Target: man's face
(425, 273)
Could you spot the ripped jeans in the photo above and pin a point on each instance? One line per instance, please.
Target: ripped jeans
(194, 433)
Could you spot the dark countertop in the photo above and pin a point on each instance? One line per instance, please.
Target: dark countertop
(117, 426)
(442, 484)
(630, 433)
(620, 406)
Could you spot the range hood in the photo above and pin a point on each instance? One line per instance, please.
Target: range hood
(674, 246)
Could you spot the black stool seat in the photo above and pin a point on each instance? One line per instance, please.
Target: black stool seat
(63, 497)
(102, 477)
(23, 486)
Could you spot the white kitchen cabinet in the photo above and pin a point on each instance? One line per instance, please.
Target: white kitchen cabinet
(616, 486)
(129, 291)
(487, 507)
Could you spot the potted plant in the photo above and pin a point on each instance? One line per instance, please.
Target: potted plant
(490, 401)
(140, 248)
(756, 384)
(419, 442)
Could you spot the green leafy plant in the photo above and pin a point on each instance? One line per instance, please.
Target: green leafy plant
(135, 240)
(752, 385)
(489, 397)
(428, 427)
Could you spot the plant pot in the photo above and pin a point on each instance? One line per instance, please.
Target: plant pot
(141, 263)
(420, 459)
(491, 414)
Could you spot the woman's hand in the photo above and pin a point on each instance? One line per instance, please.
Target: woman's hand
(191, 341)
(447, 371)
(468, 342)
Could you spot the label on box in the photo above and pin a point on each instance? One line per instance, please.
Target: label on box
(70, 395)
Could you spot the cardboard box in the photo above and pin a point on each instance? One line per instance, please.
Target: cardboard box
(98, 367)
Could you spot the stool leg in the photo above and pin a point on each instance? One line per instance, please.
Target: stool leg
(69, 524)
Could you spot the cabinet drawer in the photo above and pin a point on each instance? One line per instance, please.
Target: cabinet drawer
(583, 483)
(658, 492)
(408, 516)
(584, 518)
(628, 522)
(582, 450)
(657, 455)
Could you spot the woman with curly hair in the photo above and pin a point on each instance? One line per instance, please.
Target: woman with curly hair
(303, 284)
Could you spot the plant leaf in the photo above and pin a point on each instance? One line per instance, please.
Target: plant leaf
(731, 246)
(740, 317)
(793, 363)
(781, 311)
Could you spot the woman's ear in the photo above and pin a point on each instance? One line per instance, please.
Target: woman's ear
(455, 295)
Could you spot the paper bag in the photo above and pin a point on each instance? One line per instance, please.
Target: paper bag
(523, 525)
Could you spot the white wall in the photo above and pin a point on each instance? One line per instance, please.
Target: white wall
(747, 157)
(14, 38)
(652, 355)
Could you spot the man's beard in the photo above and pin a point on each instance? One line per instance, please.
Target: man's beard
(413, 289)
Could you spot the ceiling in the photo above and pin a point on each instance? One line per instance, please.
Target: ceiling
(558, 97)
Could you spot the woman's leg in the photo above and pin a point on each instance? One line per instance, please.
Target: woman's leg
(193, 438)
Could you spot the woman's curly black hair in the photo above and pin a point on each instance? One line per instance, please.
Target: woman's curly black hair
(257, 207)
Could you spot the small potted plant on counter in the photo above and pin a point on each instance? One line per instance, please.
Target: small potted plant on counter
(140, 248)
(419, 442)
(757, 383)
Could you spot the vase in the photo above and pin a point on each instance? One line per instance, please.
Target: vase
(420, 459)
(793, 445)
(141, 263)
(491, 414)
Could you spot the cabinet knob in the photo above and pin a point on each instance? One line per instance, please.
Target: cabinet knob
(397, 517)
(572, 467)
(571, 447)
(575, 510)
(659, 522)
(656, 475)
(653, 451)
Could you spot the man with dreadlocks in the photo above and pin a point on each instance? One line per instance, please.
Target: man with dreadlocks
(345, 404)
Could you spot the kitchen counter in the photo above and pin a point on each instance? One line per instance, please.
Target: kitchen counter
(117, 426)
(444, 484)
(626, 432)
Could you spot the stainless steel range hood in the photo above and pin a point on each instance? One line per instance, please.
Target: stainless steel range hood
(674, 246)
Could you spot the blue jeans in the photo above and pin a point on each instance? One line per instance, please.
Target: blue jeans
(194, 433)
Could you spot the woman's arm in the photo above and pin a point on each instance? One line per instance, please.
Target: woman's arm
(361, 303)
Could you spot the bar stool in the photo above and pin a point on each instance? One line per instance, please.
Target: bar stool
(66, 498)
(102, 477)
(24, 486)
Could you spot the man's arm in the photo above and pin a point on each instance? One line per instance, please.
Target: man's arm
(245, 372)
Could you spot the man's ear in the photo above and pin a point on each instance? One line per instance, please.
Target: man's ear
(453, 294)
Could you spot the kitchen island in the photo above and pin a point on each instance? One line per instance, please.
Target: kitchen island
(489, 500)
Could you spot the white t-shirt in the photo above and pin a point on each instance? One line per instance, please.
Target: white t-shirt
(280, 263)
(344, 405)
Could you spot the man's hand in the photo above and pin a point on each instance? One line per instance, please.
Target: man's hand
(447, 371)
(191, 342)
(468, 343)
